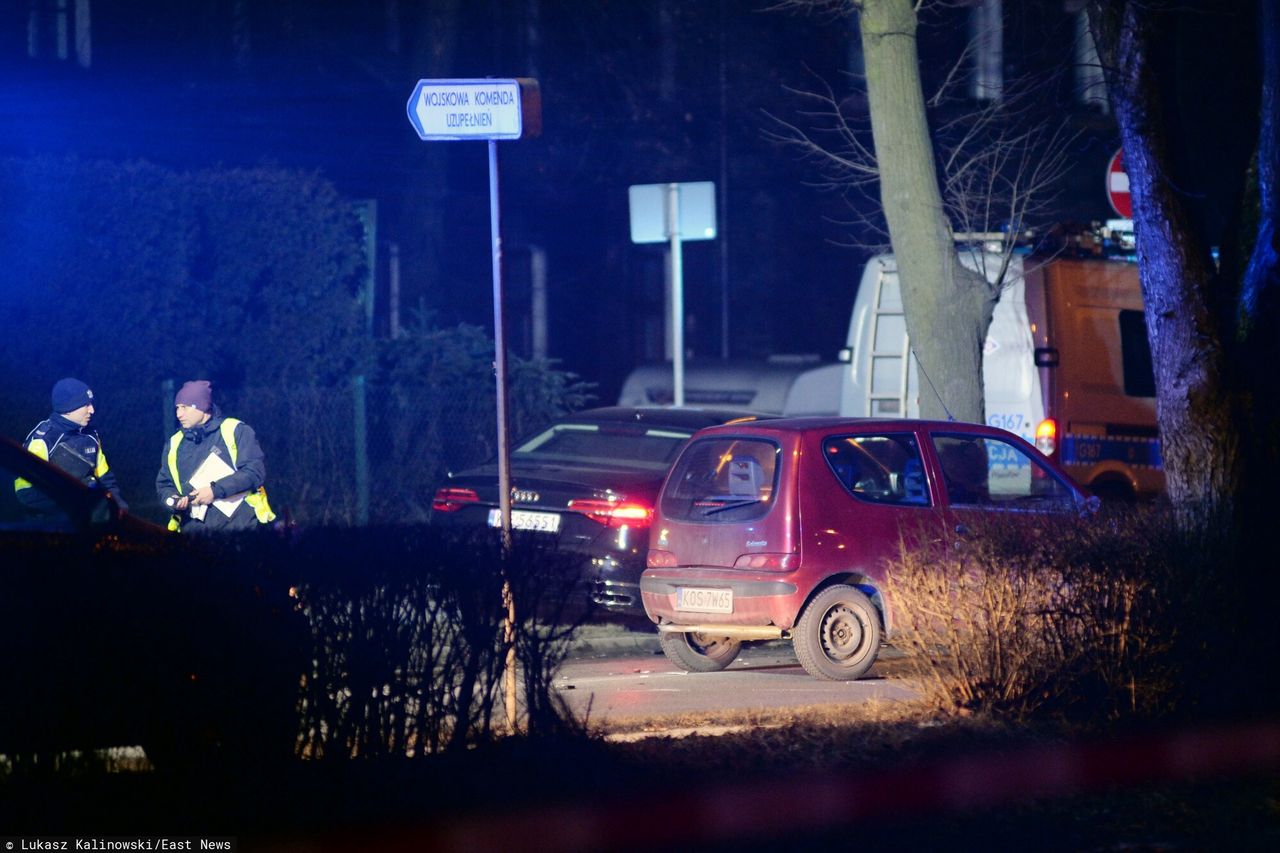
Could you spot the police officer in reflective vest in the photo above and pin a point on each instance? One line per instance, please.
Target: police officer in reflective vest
(67, 440)
(212, 471)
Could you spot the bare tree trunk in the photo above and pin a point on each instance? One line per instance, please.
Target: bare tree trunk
(1260, 291)
(1261, 288)
(948, 308)
(1200, 436)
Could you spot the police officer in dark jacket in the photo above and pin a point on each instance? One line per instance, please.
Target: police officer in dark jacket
(212, 470)
(67, 440)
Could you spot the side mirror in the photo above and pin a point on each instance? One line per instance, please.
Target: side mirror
(1046, 357)
(1092, 504)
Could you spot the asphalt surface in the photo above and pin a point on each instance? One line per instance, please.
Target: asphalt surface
(607, 640)
(614, 675)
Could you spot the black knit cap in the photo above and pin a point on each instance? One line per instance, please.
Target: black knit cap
(70, 394)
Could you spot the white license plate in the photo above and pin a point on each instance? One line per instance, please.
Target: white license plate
(694, 600)
(523, 519)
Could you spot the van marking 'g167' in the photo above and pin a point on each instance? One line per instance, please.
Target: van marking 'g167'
(1009, 421)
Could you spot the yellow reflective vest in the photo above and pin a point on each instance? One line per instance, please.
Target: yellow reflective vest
(256, 499)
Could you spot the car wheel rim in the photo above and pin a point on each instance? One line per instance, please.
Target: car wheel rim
(842, 634)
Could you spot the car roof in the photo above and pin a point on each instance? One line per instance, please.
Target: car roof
(689, 417)
(66, 491)
(832, 424)
(16, 458)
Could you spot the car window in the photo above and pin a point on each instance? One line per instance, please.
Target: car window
(985, 471)
(605, 444)
(878, 468)
(723, 480)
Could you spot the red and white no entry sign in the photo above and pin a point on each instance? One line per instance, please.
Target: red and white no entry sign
(1118, 186)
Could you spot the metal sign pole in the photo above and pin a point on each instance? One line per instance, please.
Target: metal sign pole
(487, 109)
(499, 348)
(677, 294)
(504, 449)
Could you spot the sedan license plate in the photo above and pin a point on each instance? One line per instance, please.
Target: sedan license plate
(694, 600)
(523, 519)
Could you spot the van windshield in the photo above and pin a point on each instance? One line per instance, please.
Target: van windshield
(723, 480)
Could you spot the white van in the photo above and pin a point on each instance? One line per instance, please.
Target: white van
(1066, 366)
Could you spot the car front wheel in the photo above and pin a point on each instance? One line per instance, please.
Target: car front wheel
(838, 635)
(694, 652)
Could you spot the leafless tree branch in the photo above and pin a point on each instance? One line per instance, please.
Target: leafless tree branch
(999, 164)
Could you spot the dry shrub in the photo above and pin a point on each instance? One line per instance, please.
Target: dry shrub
(407, 627)
(1087, 618)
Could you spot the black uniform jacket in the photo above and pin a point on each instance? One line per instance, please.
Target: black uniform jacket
(76, 450)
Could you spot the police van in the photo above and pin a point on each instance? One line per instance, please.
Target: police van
(1066, 365)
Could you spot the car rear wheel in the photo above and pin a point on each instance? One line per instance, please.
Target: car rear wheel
(694, 652)
(838, 635)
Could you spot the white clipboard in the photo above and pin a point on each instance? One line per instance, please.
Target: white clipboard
(214, 467)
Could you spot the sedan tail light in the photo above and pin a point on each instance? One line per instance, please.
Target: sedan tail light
(614, 513)
(452, 499)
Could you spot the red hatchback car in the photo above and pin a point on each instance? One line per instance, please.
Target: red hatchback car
(782, 529)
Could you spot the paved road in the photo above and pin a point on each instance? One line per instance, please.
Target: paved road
(635, 681)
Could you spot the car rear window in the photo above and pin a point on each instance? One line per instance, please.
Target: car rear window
(635, 445)
(723, 480)
(878, 468)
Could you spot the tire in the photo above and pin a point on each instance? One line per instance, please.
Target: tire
(1112, 491)
(699, 652)
(838, 636)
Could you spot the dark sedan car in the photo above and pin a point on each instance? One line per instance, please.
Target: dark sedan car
(115, 632)
(78, 508)
(64, 645)
(591, 480)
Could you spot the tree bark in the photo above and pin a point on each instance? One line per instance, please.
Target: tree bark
(1259, 308)
(948, 307)
(1262, 279)
(1196, 411)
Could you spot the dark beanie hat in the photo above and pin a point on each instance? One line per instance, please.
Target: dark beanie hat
(70, 394)
(196, 393)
